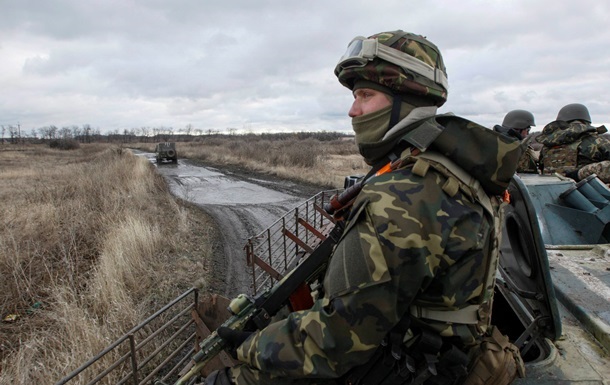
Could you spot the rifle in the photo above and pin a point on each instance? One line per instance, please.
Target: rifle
(340, 204)
(255, 313)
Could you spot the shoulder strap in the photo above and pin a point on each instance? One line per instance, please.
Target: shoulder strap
(468, 315)
(457, 177)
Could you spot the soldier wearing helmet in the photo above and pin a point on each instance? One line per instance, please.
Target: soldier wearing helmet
(412, 276)
(517, 124)
(573, 147)
(574, 112)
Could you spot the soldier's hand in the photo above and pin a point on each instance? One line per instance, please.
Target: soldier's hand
(233, 338)
(218, 377)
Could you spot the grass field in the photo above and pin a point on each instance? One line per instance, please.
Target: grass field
(89, 235)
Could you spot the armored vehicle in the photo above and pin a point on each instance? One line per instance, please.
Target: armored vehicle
(553, 284)
(166, 151)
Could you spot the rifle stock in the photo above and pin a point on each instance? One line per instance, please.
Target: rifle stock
(255, 314)
(212, 345)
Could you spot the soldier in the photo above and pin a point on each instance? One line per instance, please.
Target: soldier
(573, 147)
(517, 123)
(409, 287)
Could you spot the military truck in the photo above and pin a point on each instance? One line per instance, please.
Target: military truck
(551, 295)
(166, 151)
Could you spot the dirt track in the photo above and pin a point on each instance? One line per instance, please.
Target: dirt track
(242, 203)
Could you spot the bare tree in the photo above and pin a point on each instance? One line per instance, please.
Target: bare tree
(166, 133)
(114, 135)
(44, 133)
(14, 133)
(156, 131)
(52, 132)
(77, 133)
(86, 130)
(94, 133)
(188, 130)
(145, 132)
(65, 133)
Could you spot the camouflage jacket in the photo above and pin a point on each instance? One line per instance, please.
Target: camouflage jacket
(568, 146)
(528, 163)
(415, 237)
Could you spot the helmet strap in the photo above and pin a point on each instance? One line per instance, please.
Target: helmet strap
(412, 100)
(395, 115)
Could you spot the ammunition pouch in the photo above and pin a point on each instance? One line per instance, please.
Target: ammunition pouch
(560, 159)
(430, 360)
(495, 362)
(427, 360)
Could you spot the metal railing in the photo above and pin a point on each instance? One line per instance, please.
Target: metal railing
(159, 347)
(278, 249)
(154, 350)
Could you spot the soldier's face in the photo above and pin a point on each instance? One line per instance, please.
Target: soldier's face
(367, 100)
(524, 132)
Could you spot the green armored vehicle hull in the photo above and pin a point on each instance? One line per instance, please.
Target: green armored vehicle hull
(553, 285)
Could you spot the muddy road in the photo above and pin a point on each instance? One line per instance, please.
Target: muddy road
(242, 204)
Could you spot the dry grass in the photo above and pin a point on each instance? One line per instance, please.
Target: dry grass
(82, 254)
(324, 163)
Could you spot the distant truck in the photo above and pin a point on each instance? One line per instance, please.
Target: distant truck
(166, 151)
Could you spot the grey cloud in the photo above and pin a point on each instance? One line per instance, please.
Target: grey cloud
(268, 65)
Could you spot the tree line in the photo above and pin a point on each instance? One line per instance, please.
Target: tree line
(87, 134)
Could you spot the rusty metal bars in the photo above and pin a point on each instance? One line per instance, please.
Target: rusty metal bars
(136, 369)
(277, 249)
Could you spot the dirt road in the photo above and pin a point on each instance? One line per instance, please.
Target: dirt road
(242, 204)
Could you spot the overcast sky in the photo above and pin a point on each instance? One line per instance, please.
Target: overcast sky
(267, 66)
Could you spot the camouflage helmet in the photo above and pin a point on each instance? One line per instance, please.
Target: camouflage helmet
(574, 111)
(404, 62)
(518, 120)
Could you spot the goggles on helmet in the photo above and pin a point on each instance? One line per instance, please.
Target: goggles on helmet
(362, 50)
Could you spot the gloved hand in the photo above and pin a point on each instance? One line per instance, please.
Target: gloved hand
(573, 174)
(233, 338)
(218, 377)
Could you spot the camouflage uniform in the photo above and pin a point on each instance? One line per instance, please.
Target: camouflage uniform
(601, 169)
(416, 236)
(570, 146)
(528, 163)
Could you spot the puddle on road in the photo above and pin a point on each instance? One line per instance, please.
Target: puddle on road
(224, 191)
(202, 185)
